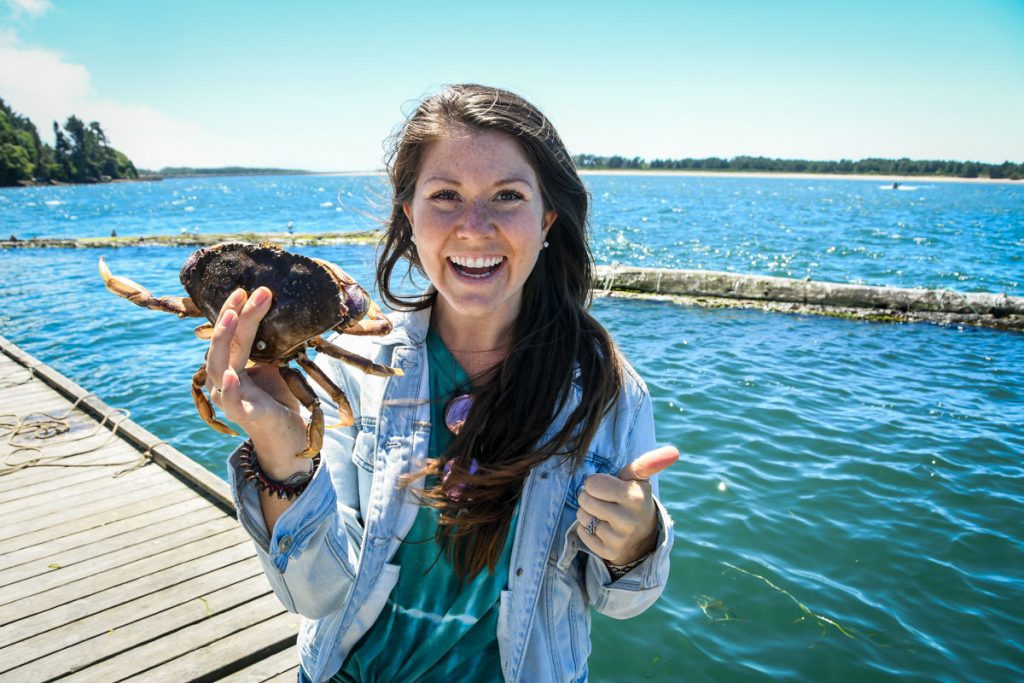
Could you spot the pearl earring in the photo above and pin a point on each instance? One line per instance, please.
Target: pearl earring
(546, 244)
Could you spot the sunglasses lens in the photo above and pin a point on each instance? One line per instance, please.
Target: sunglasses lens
(457, 411)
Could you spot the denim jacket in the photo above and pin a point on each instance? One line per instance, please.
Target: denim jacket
(329, 556)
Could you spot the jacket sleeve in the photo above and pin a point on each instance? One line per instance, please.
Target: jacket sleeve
(641, 587)
(310, 557)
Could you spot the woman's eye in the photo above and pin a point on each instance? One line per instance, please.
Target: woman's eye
(444, 195)
(509, 195)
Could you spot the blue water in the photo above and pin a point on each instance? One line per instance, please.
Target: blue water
(967, 237)
(850, 501)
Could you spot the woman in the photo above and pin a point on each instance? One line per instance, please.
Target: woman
(459, 528)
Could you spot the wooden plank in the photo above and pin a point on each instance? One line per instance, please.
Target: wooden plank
(113, 457)
(216, 659)
(97, 519)
(289, 676)
(34, 393)
(77, 492)
(13, 481)
(63, 562)
(284, 663)
(130, 637)
(114, 596)
(204, 586)
(116, 558)
(38, 481)
(191, 643)
(76, 590)
(55, 546)
(123, 495)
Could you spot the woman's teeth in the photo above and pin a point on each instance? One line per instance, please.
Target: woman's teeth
(476, 267)
(476, 262)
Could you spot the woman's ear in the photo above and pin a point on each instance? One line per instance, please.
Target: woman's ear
(549, 219)
(407, 210)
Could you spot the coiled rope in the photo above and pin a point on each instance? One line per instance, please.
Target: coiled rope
(29, 435)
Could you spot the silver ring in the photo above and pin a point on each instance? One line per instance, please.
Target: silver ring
(591, 527)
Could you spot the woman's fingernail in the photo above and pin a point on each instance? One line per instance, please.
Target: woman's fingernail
(260, 296)
(236, 297)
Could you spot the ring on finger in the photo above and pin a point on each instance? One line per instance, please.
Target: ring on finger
(591, 527)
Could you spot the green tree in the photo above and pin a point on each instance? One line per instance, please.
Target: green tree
(15, 164)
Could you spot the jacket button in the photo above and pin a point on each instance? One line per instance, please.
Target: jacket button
(284, 544)
(519, 571)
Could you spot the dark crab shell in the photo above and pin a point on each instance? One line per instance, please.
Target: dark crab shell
(310, 297)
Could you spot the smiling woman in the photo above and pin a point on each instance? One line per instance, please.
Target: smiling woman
(466, 548)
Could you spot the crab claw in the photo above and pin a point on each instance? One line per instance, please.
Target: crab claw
(203, 405)
(345, 417)
(315, 429)
(140, 296)
(364, 364)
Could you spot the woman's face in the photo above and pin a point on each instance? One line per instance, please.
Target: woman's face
(479, 223)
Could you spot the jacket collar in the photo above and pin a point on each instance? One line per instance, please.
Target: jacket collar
(410, 327)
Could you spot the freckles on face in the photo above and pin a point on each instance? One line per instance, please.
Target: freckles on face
(478, 221)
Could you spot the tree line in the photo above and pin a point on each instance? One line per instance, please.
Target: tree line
(82, 153)
(908, 167)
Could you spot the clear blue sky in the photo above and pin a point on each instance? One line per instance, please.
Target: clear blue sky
(319, 85)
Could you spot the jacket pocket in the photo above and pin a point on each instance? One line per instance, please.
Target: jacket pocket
(363, 450)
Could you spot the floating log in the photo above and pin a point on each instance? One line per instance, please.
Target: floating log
(696, 287)
(895, 304)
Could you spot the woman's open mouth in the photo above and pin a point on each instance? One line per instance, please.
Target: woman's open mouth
(477, 268)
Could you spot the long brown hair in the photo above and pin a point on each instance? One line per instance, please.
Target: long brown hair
(553, 336)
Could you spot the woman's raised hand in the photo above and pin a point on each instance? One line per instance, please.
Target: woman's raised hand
(256, 398)
(617, 516)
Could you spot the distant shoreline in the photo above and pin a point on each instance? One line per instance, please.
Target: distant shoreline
(884, 179)
(785, 175)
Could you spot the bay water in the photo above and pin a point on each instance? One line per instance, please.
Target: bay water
(849, 504)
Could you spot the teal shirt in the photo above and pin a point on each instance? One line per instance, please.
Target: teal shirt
(433, 628)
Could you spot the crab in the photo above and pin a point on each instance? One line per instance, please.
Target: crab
(310, 298)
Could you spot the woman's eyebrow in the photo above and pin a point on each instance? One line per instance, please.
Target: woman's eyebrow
(452, 181)
(441, 179)
(514, 179)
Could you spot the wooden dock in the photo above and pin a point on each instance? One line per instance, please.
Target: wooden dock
(120, 558)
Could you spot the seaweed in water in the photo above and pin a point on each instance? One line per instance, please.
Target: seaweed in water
(822, 621)
(714, 609)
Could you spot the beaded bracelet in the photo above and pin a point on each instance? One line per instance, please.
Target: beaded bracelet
(289, 488)
(617, 571)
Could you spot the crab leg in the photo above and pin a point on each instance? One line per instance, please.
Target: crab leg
(140, 296)
(203, 404)
(315, 429)
(204, 331)
(374, 323)
(364, 364)
(345, 417)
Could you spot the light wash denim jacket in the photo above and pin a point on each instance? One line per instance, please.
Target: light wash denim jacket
(328, 558)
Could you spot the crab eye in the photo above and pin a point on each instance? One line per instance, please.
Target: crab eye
(261, 345)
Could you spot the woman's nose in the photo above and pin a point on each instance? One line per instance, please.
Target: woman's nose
(476, 218)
